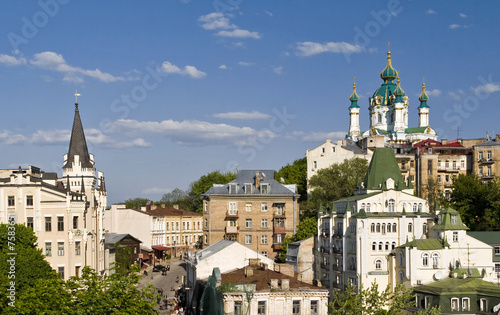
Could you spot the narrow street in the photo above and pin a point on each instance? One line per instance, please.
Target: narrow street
(168, 283)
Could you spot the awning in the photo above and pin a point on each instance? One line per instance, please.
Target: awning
(159, 247)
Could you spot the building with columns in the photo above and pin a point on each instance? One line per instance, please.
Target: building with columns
(65, 213)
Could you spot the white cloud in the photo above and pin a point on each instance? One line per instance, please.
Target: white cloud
(486, 88)
(322, 136)
(239, 33)
(454, 26)
(242, 115)
(191, 71)
(312, 48)
(434, 93)
(278, 70)
(193, 132)
(51, 137)
(269, 13)
(223, 67)
(246, 64)
(215, 20)
(430, 11)
(155, 190)
(49, 60)
(462, 15)
(7, 137)
(458, 95)
(12, 60)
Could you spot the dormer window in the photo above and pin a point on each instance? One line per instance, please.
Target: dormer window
(232, 188)
(264, 188)
(453, 219)
(248, 188)
(390, 183)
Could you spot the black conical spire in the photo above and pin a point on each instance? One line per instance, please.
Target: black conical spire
(78, 144)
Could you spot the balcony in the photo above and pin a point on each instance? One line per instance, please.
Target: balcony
(448, 169)
(279, 214)
(279, 229)
(404, 169)
(325, 265)
(231, 213)
(486, 161)
(324, 249)
(487, 176)
(231, 229)
(277, 246)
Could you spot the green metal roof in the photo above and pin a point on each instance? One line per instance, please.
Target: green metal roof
(488, 237)
(415, 130)
(358, 197)
(389, 73)
(423, 98)
(459, 286)
(382, 167)
(447, 221)
(354, 97)
(427, 244)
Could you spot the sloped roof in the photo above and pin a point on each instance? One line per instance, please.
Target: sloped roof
(382, 167)
(166, 211)
(78, 144)
(488, 143)
(488, 237)
(427, 244)
(469, 285)
(447, 222)
(113, 238)
(214, 249)
(248, 177)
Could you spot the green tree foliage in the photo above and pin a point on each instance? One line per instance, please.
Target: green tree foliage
(373, 301)
(306, 229)
(478, 203)
(295, 173)
(135, 203)
(337, 181)
(115, 294)
(204, 183)
(123, 257)
(431, 193)
(177, 197)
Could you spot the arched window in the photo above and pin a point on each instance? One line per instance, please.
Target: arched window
(383, 228)
(435, 260)
(414, 207)
(379, 118)
(374, 246)
(387, 246)
(424, 228)
(420, 207)
(368, 207)
(393, 245)
(391, 205)
(388, 228)
(378, 227)
(395, 227)
(410, 227)
(401, 276)
(380, 246)
(362, 206)
(425, 259)
(373, 227)
(378, 264)
(401, 259)
(352, 264)
(392, 117)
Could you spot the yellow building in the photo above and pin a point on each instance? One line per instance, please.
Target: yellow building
(485, 156)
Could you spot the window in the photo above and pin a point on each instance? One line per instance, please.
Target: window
(497, 268)
(435, 260)
(77, 248)
(48, 249)
(237, 308)
(447, 178)
(488, 155)
(373, 228)
(232, 189)
(248, 207)
(75, 223)
(480, 155)
(362, 207)
(401, 276)
(77, 271)
(296, 307)
(389, 227)
(383, 228)
(378, 264)
(439, 164)
(280, 209)
(29, 201)
(455, 236)
(367, 207)
(248, 239)
(263, 239)
(488, 171)
(29, 222)
(439, 179)
(60, 224)
(410, 227)
(261, 307)
(11, 201)
(263, 206)
(315, 164)
(454, 305)
(314, 307)
(374, 245)
(232, 208)
(280, 222)
(206, 223)
(429, 166)
(424, 228)
(206, 239)
(466, 304)
(425, 259)
(393, 245)
(420, 207)
(248, 223)
(264, 253)
(395, 227)
(401, 259)
(497, 250)
(453, 219)
(379, 118)
(248, 188)
(264, 188)
(427, 302)
(60, 248)
(462, 164)
(387, 246)
(378, 227)
(380, 245)
(483, 305)
(263, 223)
(60, 271)
(414, 207)
(480, 170)
(391, 205)
(454, 165)
(48, 224)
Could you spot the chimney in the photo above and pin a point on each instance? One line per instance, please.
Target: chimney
(497, 138)
(285, 284)
(444, 141)
(176, 206)
(254, 262)
(274, 284)
(248, 271)
(285, 269)
(257, 180)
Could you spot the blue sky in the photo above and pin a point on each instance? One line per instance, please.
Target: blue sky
(171, 90)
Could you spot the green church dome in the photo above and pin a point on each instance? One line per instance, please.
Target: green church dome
(389, 73)
(423, 97)
(354, 98)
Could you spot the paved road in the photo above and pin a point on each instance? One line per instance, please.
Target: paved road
(177, 269)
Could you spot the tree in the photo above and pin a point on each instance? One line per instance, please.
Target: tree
(431, 193)
(295, 173)
(337, 181)
(478, 203)
(177, 197)
(135, 203)
(204, 183)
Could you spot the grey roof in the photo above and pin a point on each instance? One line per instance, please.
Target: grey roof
(488, 143)
(248, 177)
(213, 249)
(78, 144)
(113, 238)
(352, 146)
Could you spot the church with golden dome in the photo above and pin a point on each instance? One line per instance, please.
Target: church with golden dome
(388, 109)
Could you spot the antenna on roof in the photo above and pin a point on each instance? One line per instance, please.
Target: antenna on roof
(458, 132)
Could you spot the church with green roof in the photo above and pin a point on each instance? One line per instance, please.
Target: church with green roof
(388, 109)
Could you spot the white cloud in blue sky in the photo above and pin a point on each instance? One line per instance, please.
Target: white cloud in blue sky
(242, 115)
(311, 48)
